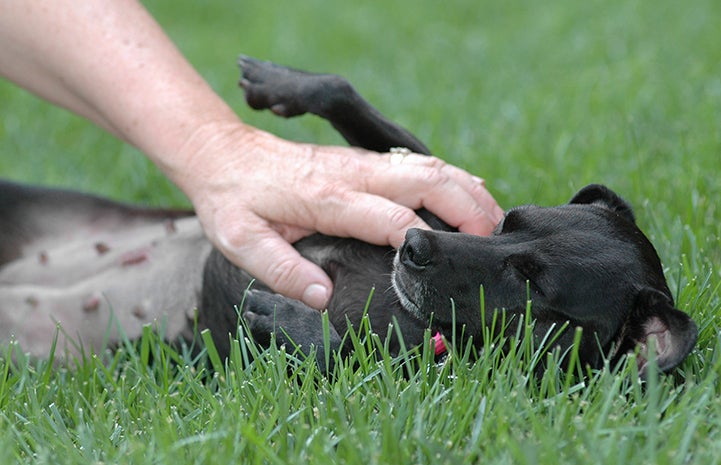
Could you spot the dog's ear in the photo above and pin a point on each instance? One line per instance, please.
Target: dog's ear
(654, 315)
(597, 194)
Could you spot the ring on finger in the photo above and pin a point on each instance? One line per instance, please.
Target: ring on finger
(398, 154)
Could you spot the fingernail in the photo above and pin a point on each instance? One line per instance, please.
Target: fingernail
(316, 296)
(478, 180)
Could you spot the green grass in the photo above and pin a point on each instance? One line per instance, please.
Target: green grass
(540, 98)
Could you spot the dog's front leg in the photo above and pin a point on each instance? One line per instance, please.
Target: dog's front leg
(292, 323)
(288, 92)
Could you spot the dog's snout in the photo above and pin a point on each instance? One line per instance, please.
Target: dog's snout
(416, 251)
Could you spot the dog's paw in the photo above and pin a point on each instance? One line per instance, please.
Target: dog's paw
(258, 313)
(290, 92)
(291, 322)
(273, 87)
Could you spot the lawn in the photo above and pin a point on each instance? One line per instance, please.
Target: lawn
(540, 99)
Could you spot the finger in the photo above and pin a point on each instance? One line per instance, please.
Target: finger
(367, 217)
(476, 187)
(271, 259)
(292, 234)
(482, 217)
(449, 192)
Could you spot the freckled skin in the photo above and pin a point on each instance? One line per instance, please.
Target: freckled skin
(96, 266)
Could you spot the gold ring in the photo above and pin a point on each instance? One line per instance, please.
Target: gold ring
(398, 154)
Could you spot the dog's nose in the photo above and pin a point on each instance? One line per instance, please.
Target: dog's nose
(416, 252)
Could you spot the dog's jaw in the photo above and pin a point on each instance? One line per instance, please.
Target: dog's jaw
(405, 300)
(411, 307)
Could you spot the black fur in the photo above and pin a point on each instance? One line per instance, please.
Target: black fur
(586, 263)
(94, 265)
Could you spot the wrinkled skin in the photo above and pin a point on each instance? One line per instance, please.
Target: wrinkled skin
(97, 266)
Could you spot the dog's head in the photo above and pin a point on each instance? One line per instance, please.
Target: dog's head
(585, 263)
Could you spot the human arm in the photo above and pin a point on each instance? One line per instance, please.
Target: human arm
(110, 62)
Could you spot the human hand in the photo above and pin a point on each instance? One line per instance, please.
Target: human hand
(256, 194)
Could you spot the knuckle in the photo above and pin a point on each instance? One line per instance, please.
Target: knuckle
(330, 191)
(334, 198)
(433, 176)
(231, 235)
(478, 190)
(437, 163)
(282, 272)
(401, 217)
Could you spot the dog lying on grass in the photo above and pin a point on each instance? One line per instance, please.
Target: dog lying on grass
(103, 270)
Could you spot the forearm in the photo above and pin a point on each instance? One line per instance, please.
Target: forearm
(110, 62)
(254, 194)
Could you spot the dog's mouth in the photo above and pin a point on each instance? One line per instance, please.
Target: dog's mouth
(416, 296)
(406, 301)
(414, 309)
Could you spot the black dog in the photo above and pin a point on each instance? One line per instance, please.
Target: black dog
(100, 268)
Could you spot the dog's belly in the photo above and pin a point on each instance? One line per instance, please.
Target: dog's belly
(100, 285)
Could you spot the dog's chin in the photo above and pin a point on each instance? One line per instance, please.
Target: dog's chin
(405, 300)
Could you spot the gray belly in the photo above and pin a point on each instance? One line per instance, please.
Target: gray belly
(98, 287)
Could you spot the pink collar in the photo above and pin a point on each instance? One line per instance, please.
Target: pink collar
(440, 345)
